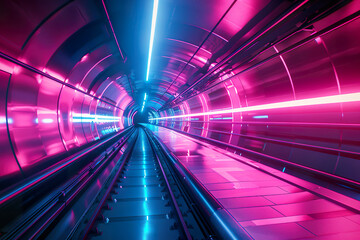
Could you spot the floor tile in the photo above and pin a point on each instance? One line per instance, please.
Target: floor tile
(247, 192)
(309, 207)
(279, 232)
(330, 225)
(291, 197)
(245, 202)
(279, 220)
(246, 214)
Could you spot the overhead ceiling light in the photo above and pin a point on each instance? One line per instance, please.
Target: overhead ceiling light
(152, 35)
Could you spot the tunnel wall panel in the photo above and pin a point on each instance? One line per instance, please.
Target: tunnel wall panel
(25, 132)
(43, 105)
(9, 168)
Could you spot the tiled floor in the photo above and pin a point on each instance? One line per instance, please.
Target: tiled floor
(266, 206)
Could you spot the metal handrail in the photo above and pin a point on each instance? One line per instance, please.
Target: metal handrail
(179, 214)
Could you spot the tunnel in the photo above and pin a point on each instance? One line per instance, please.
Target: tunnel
(169, 119)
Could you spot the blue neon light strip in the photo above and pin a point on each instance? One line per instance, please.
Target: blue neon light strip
(152, 35)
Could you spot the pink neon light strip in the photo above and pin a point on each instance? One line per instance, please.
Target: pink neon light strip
(343, 98)
(112, 29)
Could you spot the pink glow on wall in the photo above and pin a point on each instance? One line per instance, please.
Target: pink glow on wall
(54, 74)
(343, 98)
(6, 66)
(83, 59)
(318, 40)
(202, 59)
(79, 87)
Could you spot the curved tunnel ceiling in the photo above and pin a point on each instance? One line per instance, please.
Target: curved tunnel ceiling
(88, 44)
(214, 39)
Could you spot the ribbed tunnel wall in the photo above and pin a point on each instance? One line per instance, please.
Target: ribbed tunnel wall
(310, 64)
(54, 96)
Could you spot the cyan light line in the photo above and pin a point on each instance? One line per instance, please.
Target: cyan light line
(152, 35)
(261, 116)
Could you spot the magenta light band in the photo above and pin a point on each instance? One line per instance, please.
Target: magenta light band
(343, 98)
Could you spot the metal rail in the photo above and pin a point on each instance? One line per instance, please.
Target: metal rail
(179, 214)
(94, 212)
(102, 201)
(224, 225)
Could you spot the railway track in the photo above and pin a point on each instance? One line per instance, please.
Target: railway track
(145, 201)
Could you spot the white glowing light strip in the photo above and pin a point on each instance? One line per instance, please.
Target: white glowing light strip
(343, 98)
(142, 109)
(93, 120)
(152, 35)
(47, 120)
(78, 117)
(2, 120)
(86, 115)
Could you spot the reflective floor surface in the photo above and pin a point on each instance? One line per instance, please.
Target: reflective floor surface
(267, 206)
